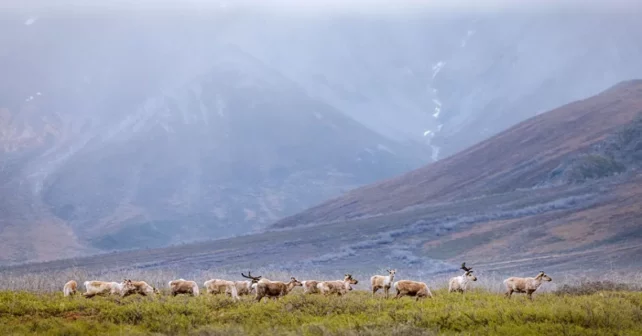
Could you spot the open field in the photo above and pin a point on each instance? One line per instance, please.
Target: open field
(570, 305)
(479, 312)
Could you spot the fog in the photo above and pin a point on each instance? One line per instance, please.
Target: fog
(313, 7)
(187, 120)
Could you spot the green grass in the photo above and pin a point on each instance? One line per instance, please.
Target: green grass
(476, 313)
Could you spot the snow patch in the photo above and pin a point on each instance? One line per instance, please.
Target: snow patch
(437, 108)
(384, 148)
(30, 98)
(437, 67)
(435, 152)
(220, 106)
(135, 122)
(439, 127)
(203, 109)
(468, 35)
(428, 132)
(31, 20)
(437, 111)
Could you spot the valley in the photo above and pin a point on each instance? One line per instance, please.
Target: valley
(520, 216)
(237, 123)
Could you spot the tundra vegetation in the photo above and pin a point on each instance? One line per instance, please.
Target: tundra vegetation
(571, 305)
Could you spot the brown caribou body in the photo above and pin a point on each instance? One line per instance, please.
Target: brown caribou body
(220, 286)
(275, 289)
(70, 288)
(412, 288)
(382, 281)
(525, 285)
(142, 288)
(93, 288)
(182, 286)
(339, 287)
(310, 286)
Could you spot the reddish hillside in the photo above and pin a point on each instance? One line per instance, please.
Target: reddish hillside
(516, 158)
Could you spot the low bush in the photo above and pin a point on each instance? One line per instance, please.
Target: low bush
(478, 312)
(592, 287)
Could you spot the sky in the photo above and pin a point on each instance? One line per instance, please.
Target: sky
(310, 6)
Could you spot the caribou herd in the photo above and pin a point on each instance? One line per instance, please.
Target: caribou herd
(265, 288)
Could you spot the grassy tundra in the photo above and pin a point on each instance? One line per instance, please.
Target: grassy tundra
(571, 311)
(573, 304)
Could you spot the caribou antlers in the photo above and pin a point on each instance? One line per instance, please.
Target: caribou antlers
(249, 276)
(466, 269)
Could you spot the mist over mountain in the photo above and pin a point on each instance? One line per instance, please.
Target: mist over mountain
(129, 127)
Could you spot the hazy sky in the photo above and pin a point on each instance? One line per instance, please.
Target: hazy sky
(309, 6)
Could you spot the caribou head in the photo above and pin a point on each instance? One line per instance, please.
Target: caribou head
(543, 276)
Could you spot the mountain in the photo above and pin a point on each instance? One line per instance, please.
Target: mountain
(559, 191)
(520, 157)
(138, 128)
(452, 80)
(230, 152)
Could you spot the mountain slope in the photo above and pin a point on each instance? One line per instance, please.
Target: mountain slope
(514, 204)
(516, 158)
(451, 80)
(92, 105)
(228, 153)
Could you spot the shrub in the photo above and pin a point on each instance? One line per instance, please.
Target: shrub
(592, 287)
(476, 312)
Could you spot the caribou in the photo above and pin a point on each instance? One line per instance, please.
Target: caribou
(525, 285)
(70, 288)
(254, 280)
(412, 288)
(243, 287)
(219, 286)
(310, 286)
(274, 289)
(142, 288)
(339, 287)
(93, 288)
(182, 286)
(460, 283)
(382, 281)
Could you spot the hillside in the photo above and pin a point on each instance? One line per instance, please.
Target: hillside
(500, 205)
(227, 153)
(138, 128)
(451, 80)
(520, 157)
